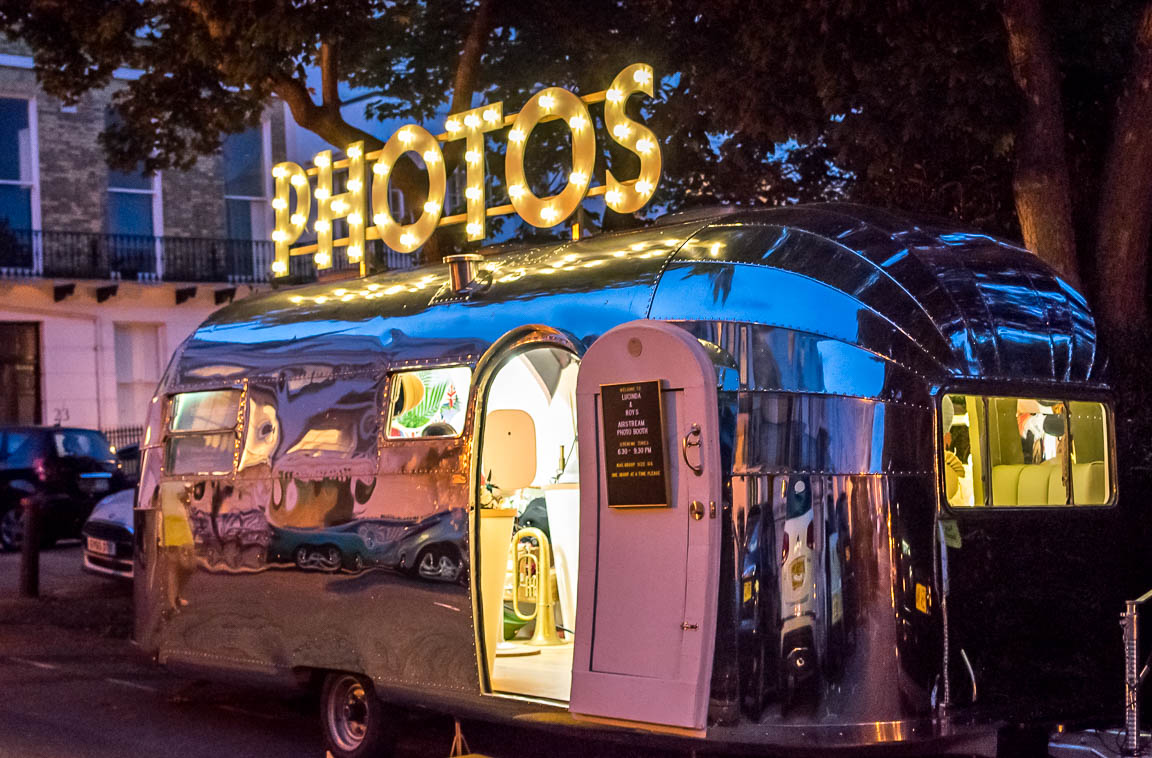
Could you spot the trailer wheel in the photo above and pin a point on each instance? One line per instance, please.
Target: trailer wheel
(356, 724)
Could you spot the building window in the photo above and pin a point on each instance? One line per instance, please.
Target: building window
(17, 175)
(247, 208)
(137, 370)
(132, 220)
(245, 192)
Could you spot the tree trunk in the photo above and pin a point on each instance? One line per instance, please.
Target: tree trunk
(1041, 184)
(1124, 219)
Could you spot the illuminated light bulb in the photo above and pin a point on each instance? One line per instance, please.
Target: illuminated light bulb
(298, 219)
(613, 196)
(354, 152)
(614, 95)
(406, 136)
(322, 161)
(354, 251)
(279, 172)
(279, 203)
(621, 131)
(339, 206)
(548, 213)
(279, 236)
(472, 156)
(339, 292)
(322, 225)
(320, 299)
(354, 185)
(577, 122)
(355, 219)
(394, 289)
(298, 180)
(516, 190)
(322, 260)
(346, 298)
(379, 169)
(471, 121)
(373, 287)
(407, 239)
(472, 193)
(431, 156)
(296, 299)
(279, 267)
(452, 125)
(642, 76)
(431, 207)
(644, 145)
(577, 177)
(516, 135)
(322, 194)
(644, 186)
(475, 228)
(547, 102)
(491, 115)
(380, 219)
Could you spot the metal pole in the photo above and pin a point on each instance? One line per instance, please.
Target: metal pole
(30, 548)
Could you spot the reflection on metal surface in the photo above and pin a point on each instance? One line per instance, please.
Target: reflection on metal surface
(832, 329)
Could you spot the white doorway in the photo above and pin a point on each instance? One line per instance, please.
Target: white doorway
(528, 524)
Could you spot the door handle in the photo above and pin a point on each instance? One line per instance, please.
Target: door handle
(692, 439)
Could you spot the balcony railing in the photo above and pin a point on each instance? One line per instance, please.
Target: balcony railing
(121, 257)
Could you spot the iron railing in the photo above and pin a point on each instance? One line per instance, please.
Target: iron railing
(122, 257)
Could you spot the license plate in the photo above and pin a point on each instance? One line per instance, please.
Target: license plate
(103, 547)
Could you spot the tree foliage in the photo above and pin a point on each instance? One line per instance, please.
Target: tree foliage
(926, 106)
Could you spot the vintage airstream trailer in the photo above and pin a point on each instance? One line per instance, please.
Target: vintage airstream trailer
(800, 479)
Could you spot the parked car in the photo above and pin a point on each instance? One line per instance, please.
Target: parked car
(66, 470)
(108, 535)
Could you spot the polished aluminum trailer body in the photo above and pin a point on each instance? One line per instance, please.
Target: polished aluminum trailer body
(834, 330)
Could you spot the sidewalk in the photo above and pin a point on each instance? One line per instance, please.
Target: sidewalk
(76, 611)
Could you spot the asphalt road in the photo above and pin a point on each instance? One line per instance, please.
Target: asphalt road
(72, 684)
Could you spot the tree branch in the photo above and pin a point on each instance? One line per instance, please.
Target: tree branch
(1124, 217)
(464, 85)
(329, 75)
(1040, 184)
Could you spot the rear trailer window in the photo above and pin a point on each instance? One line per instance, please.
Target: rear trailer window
(1025, 451)
(202, 432)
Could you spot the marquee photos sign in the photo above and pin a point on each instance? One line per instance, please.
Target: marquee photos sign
(296, 186)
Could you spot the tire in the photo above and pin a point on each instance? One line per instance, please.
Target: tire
(11, 529)
(356, 724)
(438, 563)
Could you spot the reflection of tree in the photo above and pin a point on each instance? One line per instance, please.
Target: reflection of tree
(15, 246)
(720, 278)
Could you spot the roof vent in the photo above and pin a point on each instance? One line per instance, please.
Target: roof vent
(462, 270)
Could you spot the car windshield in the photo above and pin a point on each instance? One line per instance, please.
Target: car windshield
(74, 443)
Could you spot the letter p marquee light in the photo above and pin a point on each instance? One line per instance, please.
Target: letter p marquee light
(295, 191)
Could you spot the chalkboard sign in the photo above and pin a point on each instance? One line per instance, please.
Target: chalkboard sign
(635, 465)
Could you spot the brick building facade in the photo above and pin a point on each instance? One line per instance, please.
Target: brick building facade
(104, 273)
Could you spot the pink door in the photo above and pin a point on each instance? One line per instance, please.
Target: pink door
(649, 527)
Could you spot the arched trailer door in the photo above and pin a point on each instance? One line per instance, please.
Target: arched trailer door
(650, 527)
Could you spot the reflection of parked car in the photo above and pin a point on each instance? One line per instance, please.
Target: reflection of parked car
(433, 548)
(67, 470)
(108, 535)
(797, 591)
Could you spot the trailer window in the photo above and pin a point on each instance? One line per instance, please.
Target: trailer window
(428, 403)
(202, 432)
(1025, 451)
